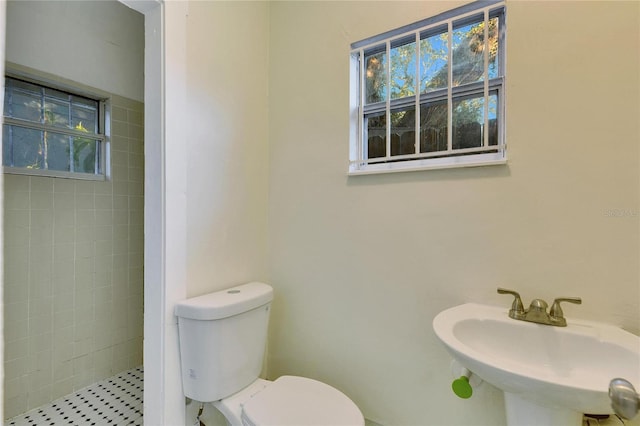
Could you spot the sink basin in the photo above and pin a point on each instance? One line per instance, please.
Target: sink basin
(552, 373)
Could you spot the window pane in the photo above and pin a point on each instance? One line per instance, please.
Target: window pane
(25, 105)
(22, 85)
(19, 100)
(494, 58)
(7, 104)
(28, 148)
(433, 127)
(7, 146)
(56, 113)
(84, 155)
(57, 152)
(468, 120)
(403, 131)
(56, 94)
(434, 71)
(403, 70)
(449, 72)
(85, 114)
(468, 54)
(84, 119)
(375, 77)
(376, 125)
(493, 119)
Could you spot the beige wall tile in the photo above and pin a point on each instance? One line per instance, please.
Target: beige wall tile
(63, 309)
(46, 257)
(127, 103)
(16, 292)
(118, 113)
(15, 330)
(120, 128)
(41, 184)
(14, 312)
(68, 250)
(62, 388)
(85, 187)
(63, 318)
(73, 262)
(42, 200)
(16, 183)
(64, 186)
(16, 262)
(16, 200)
(15, 368)
(136, 117)
(17, 349)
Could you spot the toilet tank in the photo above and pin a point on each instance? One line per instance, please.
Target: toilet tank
(222, 340)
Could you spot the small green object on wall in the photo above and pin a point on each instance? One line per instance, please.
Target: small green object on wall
(462, 388)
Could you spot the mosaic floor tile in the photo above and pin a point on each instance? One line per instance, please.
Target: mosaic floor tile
(114, 401)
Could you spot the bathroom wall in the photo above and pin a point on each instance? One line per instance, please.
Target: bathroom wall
(361, 265)
(97, 43)
(226, 136)
(73, 280)
(216, 146)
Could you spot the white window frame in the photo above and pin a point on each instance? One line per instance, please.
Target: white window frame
(37, 78)
(471, 157)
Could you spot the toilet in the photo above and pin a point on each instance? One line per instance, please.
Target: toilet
(222, 343)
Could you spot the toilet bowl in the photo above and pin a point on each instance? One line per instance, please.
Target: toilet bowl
(222, 341)
(290, 401)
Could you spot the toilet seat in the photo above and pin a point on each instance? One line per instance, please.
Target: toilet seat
(300, 401)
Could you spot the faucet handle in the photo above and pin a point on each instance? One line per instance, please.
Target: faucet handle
(517, 308)
(556, 309)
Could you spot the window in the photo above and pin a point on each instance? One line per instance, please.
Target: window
(51, 132)
(431, 94)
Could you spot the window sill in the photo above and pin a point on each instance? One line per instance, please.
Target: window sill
(52, 173)
(429, 164)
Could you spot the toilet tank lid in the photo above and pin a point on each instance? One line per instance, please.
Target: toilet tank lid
(225, 303)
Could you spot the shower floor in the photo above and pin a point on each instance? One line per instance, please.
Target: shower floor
(113, 401)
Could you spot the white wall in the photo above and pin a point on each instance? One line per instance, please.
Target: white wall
(210, 175)
(226, 142)
(96, 43)
(361, 265)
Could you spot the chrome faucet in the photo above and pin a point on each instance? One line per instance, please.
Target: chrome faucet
(537, 311)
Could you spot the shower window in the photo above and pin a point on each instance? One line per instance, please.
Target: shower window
(430, 94)
(52, 132)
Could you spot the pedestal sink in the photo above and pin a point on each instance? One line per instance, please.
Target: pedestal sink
(549, 375)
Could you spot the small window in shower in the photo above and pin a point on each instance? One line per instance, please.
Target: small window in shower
(52, 132)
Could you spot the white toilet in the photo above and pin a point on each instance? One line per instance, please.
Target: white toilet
(222, 343)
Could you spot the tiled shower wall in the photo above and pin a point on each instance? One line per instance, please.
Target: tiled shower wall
(73, 277)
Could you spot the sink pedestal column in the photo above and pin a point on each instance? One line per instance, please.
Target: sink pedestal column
(522, 412)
